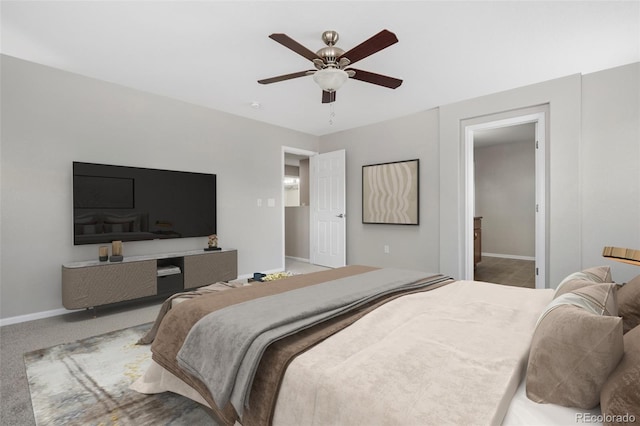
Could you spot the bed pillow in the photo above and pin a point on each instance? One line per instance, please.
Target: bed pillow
(620, 394)
(595, 275)
(629, 304)
(576, 345)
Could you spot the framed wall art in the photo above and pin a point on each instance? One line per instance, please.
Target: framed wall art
(390, 193)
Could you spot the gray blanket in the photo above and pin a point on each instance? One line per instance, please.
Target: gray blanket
(224, 348)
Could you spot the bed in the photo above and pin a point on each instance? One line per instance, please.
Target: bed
(421, 349)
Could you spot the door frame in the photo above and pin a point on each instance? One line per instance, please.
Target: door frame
(540, 181)
(296, 151)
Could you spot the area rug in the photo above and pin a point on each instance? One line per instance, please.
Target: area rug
(87, 383)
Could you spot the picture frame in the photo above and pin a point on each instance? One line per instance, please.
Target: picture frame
(391, 193)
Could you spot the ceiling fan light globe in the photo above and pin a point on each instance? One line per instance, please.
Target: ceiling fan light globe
(330, 79)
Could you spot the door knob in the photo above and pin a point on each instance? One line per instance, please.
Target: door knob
(341, 215)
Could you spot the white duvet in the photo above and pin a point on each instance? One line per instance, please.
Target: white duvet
(454, 355)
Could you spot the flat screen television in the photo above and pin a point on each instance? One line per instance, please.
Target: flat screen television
(112, 203)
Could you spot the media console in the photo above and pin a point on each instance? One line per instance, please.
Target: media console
(93, 283)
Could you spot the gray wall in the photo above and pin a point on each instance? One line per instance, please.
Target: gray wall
(51, 118)
(304, 182)
(296, 240)
(405, 138)
(505, 194)
(592, 126)
(563, 207)
(610, 165)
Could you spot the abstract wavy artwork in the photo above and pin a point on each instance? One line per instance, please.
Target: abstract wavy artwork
(390, 193)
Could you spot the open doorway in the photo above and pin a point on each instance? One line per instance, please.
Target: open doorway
(296, 207)
(505, 196)
(537, 205)
(296, 211)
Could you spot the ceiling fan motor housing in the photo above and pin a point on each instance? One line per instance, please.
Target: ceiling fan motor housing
(330, 55)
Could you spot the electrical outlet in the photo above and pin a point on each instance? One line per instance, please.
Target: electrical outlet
(386, 249)
(259, 202)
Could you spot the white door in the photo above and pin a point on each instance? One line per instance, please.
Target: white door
(328, 215)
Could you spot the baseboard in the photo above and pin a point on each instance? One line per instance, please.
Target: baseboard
(32, 317)
(509, 256)
(299, 259)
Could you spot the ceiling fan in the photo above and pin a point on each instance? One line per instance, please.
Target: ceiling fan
(332, 63)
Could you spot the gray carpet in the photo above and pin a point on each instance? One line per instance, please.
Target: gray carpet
(17, 339)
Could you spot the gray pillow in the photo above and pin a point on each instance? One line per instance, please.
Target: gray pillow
(620, 396)
(629, 304)
(576, 345)
(595, 275)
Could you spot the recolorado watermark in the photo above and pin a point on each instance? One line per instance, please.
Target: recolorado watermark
(608, 418)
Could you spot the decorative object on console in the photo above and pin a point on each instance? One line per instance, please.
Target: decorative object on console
(116, 251)
(103, 253)
(390, 193)
(213, 243)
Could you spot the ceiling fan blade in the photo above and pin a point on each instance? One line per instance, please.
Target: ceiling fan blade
(382, 40)
(373, 78)
(290, 43)
(328, 97)
(286, 77)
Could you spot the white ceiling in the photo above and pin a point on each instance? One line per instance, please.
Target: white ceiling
(211, 53)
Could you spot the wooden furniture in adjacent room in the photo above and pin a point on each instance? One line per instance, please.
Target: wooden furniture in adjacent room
(94, 283)
(477, 241)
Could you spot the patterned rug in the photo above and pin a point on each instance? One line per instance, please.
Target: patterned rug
(87, 383)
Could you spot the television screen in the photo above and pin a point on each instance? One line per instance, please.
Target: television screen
(113, 203)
